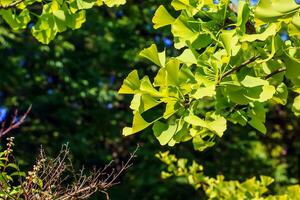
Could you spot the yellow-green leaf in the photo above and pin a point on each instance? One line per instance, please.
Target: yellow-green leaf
(162, 17)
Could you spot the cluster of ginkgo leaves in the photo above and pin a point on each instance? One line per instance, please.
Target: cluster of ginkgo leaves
(219, 188)
(233, 62)
(47, 18)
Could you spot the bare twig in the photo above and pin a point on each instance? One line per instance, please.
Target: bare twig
(54, 182)
(14, 122)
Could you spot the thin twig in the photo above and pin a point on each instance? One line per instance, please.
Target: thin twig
(237, 68)
(14, 123)
(283, 69)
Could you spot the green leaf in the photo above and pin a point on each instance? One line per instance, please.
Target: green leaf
(243, 15)
(142, 103)
(296, 106)
(257, 124)
(147, 87)
(187, 57)
(195, 120)
(219, 125)
(230, 40)
(209, 91)
(269, 11)
(60, 20)
(152, 54)
(265, 180)
(164, 132)
(267, 93)
(292, 67)
(131, 83)
(260, 94)
(200, 145)
(81, 4)
(250, 81)
(45, 29)
(162, 17)
(294, 26)
(170, 109)
(76, 20)
(270, 31)
(16, 21)
(111, 3)
(183, 32)
(281, 94)
(172, 72)
(138, 125)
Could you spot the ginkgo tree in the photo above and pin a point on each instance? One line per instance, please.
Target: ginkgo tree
(47, 18)
(233, 62)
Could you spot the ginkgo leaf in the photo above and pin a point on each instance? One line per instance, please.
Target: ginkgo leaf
(162, 17)
(266, 180)
(296, 106)
(208, 91)
(143, 102)
(230, 40)
(260, 94)
(268, 11)
(257, 124)
(250, 81)
(16, 21)
(83, 4)
(267, 93)
(172, 72)
(148, 88)
(131, 83)
(243, 15)
(170, 109)
(127, 131)
(281, 94)
(219, 125)
(180, 4)
(187, 57)
(200, 145)
(294, 26)
(153, 55)
(111, 3)
(292, 67)
(270, 31)
(136, 102)
(138, 123)
(195, 120)
(164, 132)
(183, 32)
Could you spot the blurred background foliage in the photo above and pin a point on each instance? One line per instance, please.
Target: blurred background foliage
(72, 84)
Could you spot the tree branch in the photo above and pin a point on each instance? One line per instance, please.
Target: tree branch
(237, 68)
(275, 72)
(14, 123)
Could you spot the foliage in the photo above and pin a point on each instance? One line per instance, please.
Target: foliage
(72, 85)
(218, 188)
(47, 18)
(231, 66)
